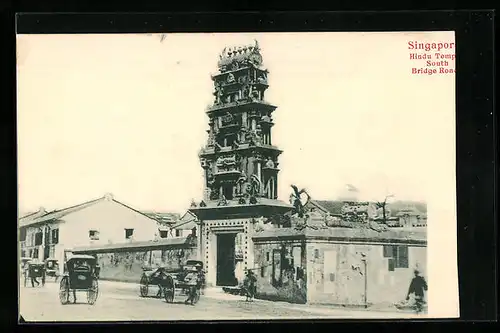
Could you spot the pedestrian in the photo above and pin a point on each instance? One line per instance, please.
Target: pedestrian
(158, 278)
(192, 281)
(418, 286)
(33, 278)
(250, 284)
(57, 273)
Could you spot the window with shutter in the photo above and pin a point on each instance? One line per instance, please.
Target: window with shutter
(22, 234)
(38, 238)
(129, 233)
(388, 251)
(55, 236)
(391, 264)
(94, 235)
(402, 258)
(398, 256)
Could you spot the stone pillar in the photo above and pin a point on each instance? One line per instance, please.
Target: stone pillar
(42, 252)
(244, 119)
(210, 257)
(200, 236)
(259, 171)
(248, 254)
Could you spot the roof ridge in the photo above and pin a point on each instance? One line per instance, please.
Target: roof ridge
(63, 211)
(315, 202)
(28, 215)
(76, 206)
(135, 210)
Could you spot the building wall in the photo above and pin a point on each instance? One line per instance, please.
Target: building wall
(128, 266)
(337, 273)
(110, 219)
(273, 280)
(28, 246)
(180, 233)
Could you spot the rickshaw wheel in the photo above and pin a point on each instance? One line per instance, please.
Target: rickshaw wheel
(169, 290)
(144, 288)
(196, 296)
(64, 291)
(169, 294)
(93, 292)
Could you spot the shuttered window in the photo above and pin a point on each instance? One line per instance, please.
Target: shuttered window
(397, 255)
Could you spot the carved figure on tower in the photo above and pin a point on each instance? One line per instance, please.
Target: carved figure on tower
(270, 163)
(222, 200)
(235, 135)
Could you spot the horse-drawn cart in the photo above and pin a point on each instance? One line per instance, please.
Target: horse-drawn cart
(188, 280)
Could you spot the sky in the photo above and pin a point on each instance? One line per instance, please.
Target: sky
(125, 114)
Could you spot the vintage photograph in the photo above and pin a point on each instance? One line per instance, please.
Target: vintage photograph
(236, 176)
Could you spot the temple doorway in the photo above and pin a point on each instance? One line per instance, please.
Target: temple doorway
(226, 260)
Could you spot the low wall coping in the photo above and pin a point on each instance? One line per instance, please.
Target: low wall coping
(183, 242)
(362, 235)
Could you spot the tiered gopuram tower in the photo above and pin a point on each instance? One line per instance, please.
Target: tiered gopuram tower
(239, 161)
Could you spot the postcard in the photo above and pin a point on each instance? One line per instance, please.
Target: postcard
(237, 176)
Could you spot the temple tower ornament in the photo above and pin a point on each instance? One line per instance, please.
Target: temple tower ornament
(239, 133)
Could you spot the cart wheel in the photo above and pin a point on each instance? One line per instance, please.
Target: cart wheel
(196, 297)
(169, 294)
(64, 291)
(169, 290)
(93, 292)
(144, 288)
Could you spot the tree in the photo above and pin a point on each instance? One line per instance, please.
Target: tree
(296, 200)
(383, 205)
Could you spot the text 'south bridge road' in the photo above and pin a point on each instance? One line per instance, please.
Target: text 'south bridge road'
(432, 58)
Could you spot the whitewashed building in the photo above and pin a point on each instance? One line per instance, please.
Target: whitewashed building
(185, 226)
(97, 222)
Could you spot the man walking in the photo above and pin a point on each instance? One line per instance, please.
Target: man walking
(417, 287)
(250, 285)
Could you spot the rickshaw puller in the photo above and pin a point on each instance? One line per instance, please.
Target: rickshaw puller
(191, 280)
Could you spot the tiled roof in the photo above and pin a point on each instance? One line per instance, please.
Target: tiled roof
(332, 207)
(57, 214)
(163, 216)
(31, 216)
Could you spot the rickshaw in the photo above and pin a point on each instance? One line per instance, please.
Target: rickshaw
(52, 268)
(34, 270)
(24, 265)
(79, 275)
(171, 281)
